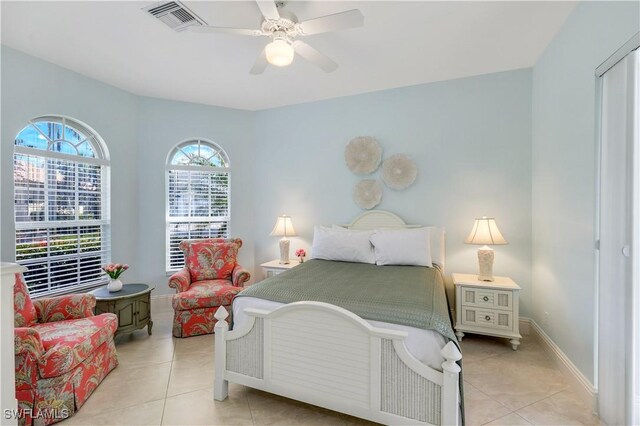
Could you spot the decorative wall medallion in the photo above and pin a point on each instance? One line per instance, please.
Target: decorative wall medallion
(399, 171)
(363, 155)
(367, 193)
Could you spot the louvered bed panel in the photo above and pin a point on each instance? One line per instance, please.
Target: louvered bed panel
(327, 356)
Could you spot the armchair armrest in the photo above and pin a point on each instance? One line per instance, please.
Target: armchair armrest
(28, 350)
(27, 342)
(69, 306)
(181, 280)
(239, 276)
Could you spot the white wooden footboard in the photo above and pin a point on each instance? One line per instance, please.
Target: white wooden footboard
(324, 355)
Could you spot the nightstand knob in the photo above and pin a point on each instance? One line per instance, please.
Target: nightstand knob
(485, 298)
(487, 317)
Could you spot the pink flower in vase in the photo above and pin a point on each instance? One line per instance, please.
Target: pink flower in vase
(114, 270)
(300, 253)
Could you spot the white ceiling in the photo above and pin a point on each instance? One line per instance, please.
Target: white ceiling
(401, 44)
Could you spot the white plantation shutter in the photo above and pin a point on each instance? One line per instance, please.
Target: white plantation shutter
(198, 192)
(61, 206)
(59, 259)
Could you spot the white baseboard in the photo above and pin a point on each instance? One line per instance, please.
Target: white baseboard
(161, 303)
(578, 382)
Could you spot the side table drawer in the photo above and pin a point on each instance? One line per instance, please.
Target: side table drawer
(487, 318)
(493, 299)
(273, 272)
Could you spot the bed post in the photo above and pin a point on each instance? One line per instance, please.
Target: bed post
(450, 387)
(221, 386)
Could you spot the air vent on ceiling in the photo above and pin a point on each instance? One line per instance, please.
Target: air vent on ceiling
(174, 14)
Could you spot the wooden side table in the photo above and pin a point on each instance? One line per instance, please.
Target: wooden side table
(274, 267)
(489, 308)
(132, 306)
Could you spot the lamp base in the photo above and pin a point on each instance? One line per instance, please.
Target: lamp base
(485, 262)
(284, 251)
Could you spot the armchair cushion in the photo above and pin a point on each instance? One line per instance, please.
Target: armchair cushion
(68, 343)
(70, 306)
(205, 294)
(210, 259)
(24, 312)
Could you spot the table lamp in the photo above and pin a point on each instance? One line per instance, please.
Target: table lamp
(284, 229)
(485, 232)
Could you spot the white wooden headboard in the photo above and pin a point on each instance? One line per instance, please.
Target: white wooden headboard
(375, 219)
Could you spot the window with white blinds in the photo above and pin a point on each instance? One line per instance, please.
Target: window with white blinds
(61, 209)
(198, 192)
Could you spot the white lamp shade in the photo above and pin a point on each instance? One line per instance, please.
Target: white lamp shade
(279, 53)
(284, 227)
(485, 232)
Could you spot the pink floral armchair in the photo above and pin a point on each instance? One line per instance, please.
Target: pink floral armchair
(211, 278)
(62, 353)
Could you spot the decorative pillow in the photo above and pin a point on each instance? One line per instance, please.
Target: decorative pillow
(210, 259)
(344, 245)
(23, 309)
(402, 247)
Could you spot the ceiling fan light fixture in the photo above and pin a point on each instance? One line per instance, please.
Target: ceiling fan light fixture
(279, 52)
(284, 28)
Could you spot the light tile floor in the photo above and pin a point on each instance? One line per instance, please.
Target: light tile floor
(162, 380)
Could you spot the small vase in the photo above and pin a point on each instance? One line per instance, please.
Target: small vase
(114, 285)
(301, 259)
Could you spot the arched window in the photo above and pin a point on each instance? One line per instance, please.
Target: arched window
(198, 192)
(61, 205)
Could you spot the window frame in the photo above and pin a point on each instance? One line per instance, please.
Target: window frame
(101, 160)
(219, 151)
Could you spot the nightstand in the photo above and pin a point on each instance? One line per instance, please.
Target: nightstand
(274, 267)
(487, 307)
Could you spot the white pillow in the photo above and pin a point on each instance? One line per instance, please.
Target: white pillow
(402, 247)
(344, 245)
(437, 244)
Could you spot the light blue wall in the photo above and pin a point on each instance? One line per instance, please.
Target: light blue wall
(564, 173)
(31, 88)
(471, 139)
(139, 133)
(164, 124)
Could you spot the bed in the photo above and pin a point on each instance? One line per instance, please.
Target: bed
(323, 354)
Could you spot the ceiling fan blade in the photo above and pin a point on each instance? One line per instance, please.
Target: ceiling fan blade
(224, 30)
(268, 9)
(339, 21)
(313, 56)
(261, 64)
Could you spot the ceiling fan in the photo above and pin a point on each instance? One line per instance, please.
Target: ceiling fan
(283, 28)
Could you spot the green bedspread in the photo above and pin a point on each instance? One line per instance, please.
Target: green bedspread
(407, 295)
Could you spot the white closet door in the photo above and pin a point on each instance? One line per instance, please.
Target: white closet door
(633, 416)
(616, 294)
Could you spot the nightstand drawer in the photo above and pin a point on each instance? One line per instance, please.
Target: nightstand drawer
(274, 267)
(487, 318)
(494, 299)
(273, 272)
